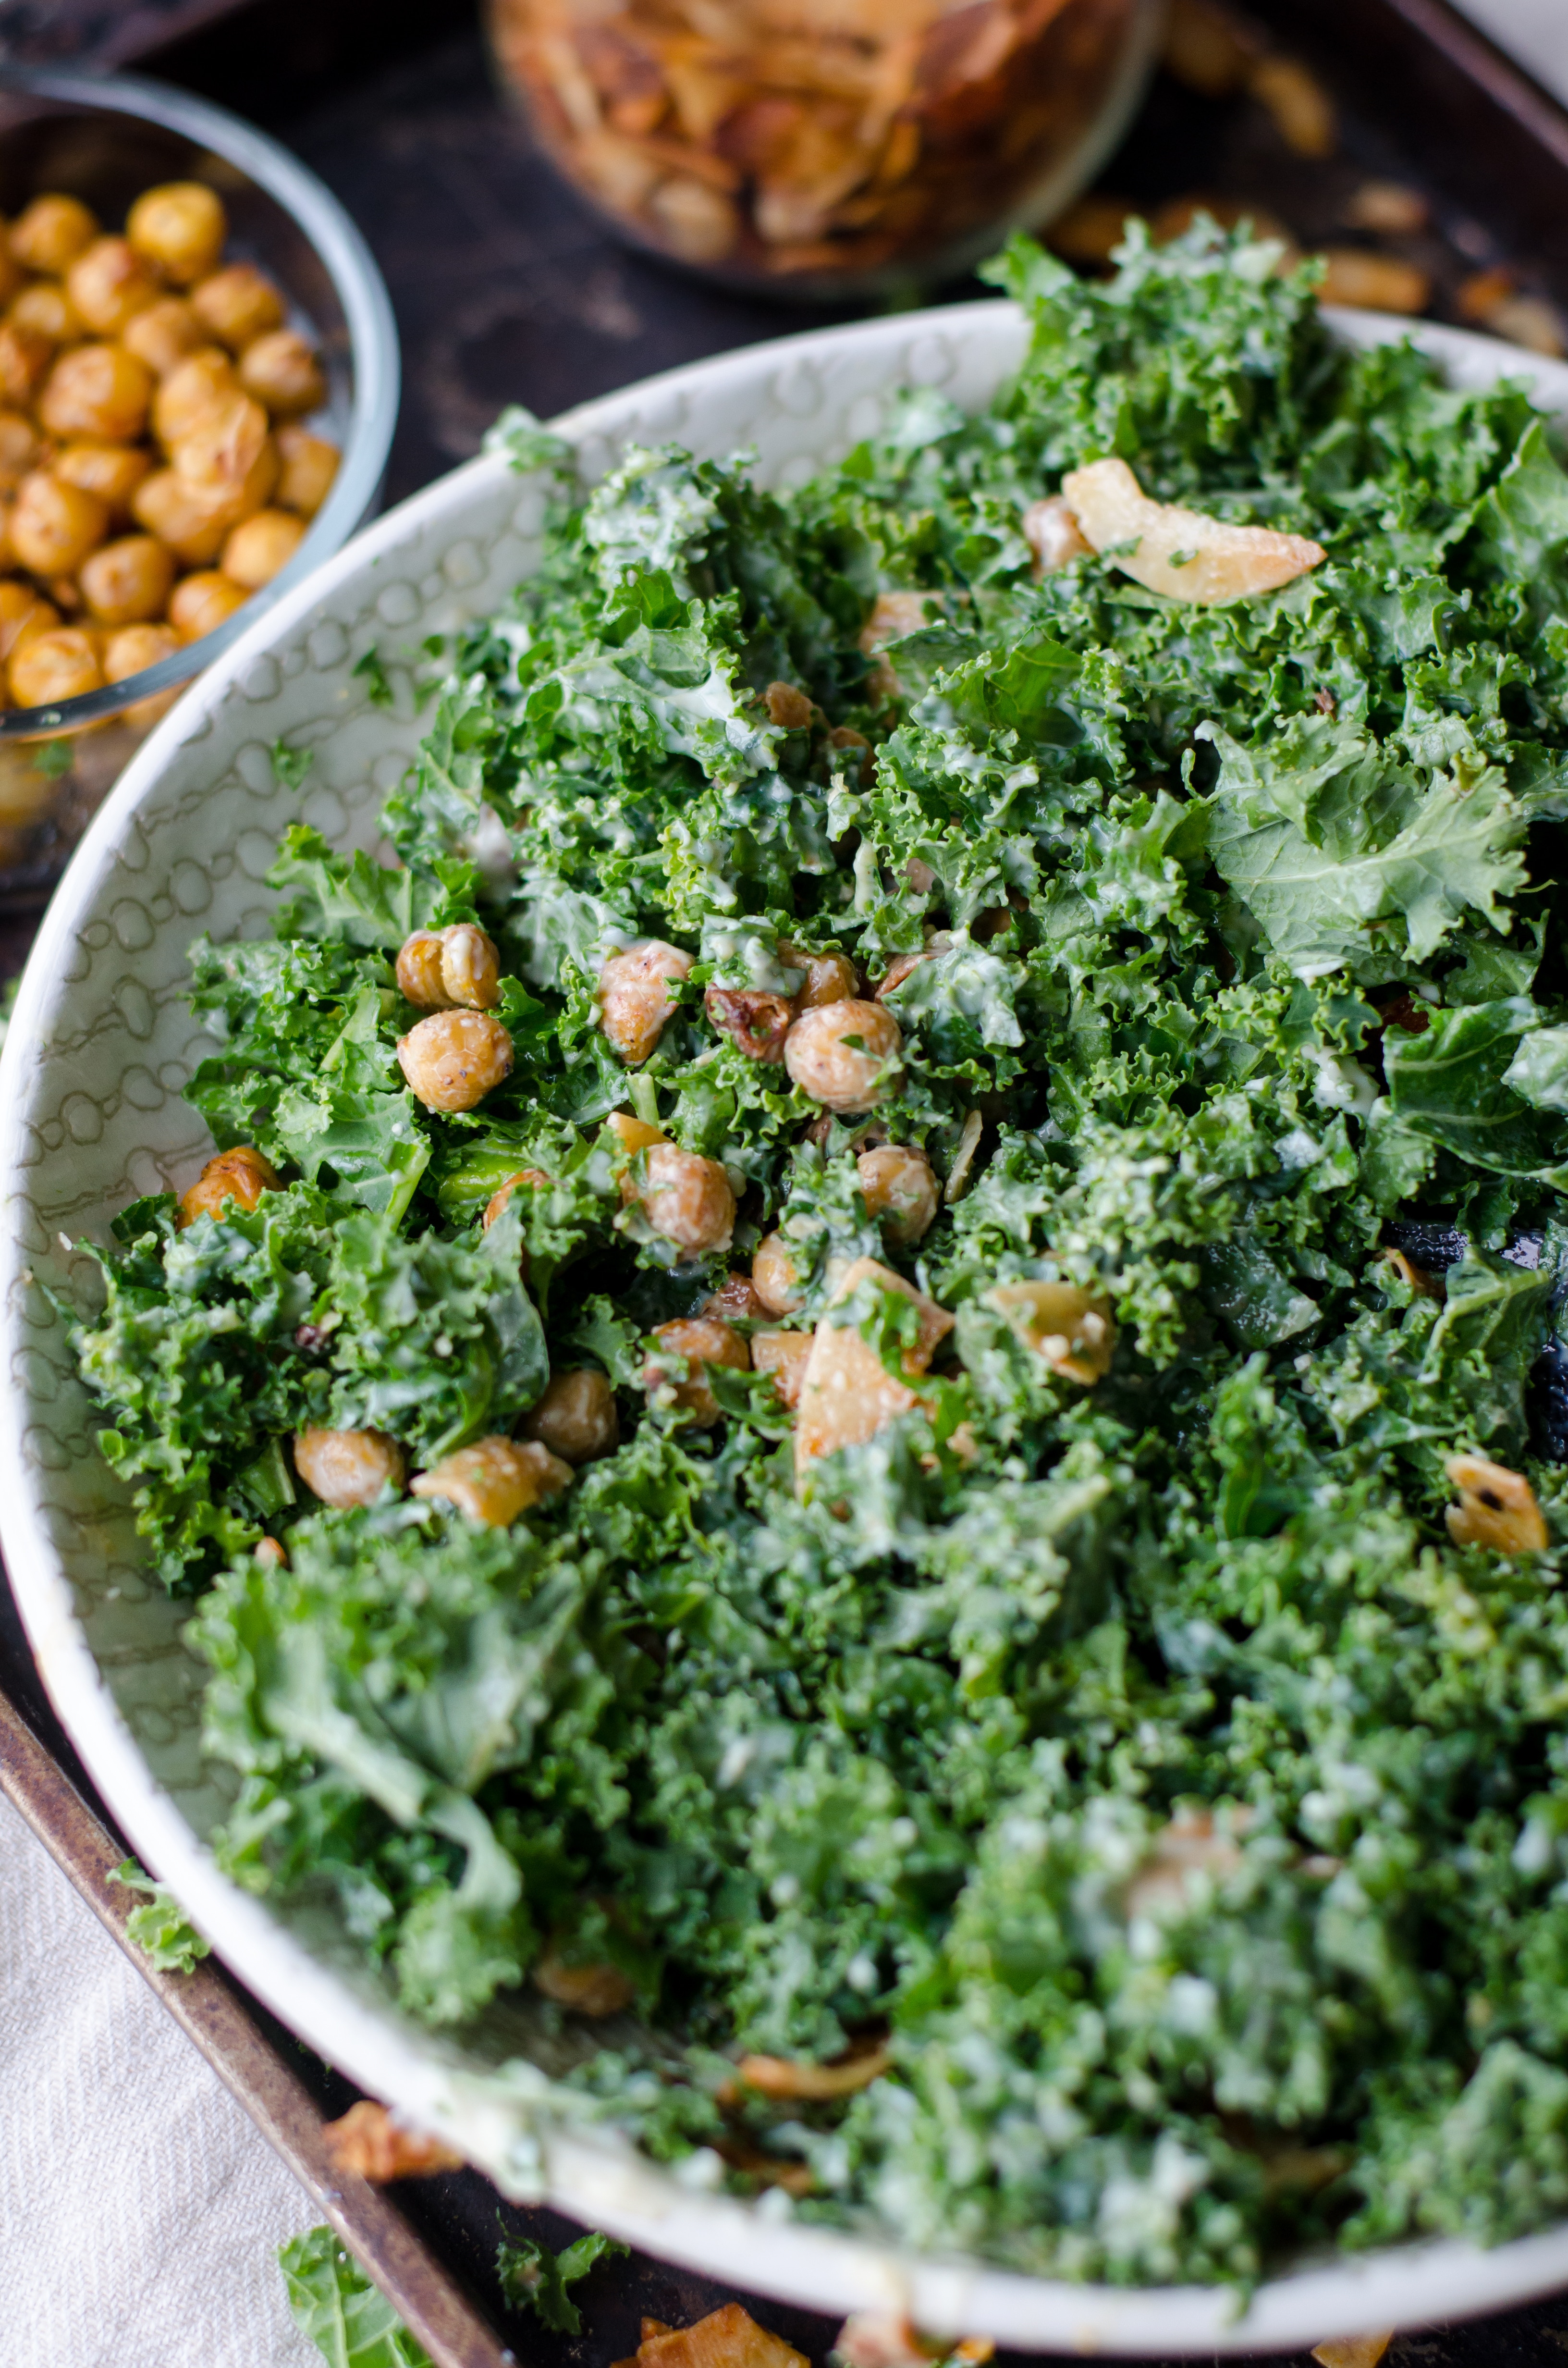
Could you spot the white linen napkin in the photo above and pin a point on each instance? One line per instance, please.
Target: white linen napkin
(140, 2210)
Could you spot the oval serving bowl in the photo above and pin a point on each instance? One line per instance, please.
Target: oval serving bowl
(90, 1115)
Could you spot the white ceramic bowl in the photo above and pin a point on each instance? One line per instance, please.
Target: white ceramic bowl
(90, 1079)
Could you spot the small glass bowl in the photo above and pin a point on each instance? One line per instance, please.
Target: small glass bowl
(826, 149)
(105, 140)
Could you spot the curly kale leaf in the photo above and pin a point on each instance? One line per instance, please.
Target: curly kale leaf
(160, 1928)
(1348, 859)
(349, 2320)
(1450, 1085)
(533, 2278)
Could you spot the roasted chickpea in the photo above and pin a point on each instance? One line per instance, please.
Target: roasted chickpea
(836, 1053)
(575, 1419)
(219, 452)
(830, 978)
(898, 1186)
(419, 980)
(18, 448)
(241, 1176)
(754, 1021)
(129, 582)
(582, 1989)
(201, 603)
(55, 667)
(54, 526)
(237, 305)
(166, 334)
(99, 390)
(194, 528)
(498, 1202)
(282, 369)
(471, 966)
(48, 312)
(495, 1480)
(788, 706)
(112, 471)
(773, 1276)
(310, 464)
(109, 283)
(454, 1058)
(440, 969)
(261, 547)
(137, 647)
(735, 1300)
(348, 1467)
(701, 1341)
(24, 615)
(180, 228)
(50, 234)
(633, 996)
(13, 279)
(685, 1198)
(193, 521)
(25, 357)
(194, 387)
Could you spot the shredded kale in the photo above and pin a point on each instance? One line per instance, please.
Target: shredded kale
(160, 1930)
(533, 2278)
(1120, 1761)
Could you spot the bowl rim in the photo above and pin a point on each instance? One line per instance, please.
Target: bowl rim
(375, 359)
(584, 2174)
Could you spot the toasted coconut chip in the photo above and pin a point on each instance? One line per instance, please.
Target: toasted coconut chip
(1353, 2351)
(1051, 532)
(778, 2076)
(1302, 110)
(882, 2339)
(885, 2339)
(633, 1134)
(1071, 1329)
(730, 2338)
(1181, 553)
(847, 1394)
(1303, 2170)
(1373, 283)
(963, 1158)
(1428, 1285)
(785, 1355)
(1497, 1507)
(368, 2141)
(583, 1989)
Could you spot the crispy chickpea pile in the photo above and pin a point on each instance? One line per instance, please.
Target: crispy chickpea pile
(155, 469)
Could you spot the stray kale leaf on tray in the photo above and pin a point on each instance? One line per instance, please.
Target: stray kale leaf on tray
(804, 1417)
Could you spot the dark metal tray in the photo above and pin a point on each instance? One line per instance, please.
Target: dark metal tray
(507, 290)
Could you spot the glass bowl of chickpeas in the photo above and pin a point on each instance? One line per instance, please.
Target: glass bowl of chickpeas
(199, 382)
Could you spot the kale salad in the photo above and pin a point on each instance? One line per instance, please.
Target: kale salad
(858, 1402)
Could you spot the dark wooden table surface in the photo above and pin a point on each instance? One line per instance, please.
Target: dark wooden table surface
(507, 289)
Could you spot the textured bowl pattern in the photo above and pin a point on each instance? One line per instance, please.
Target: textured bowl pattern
(90, 1084)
